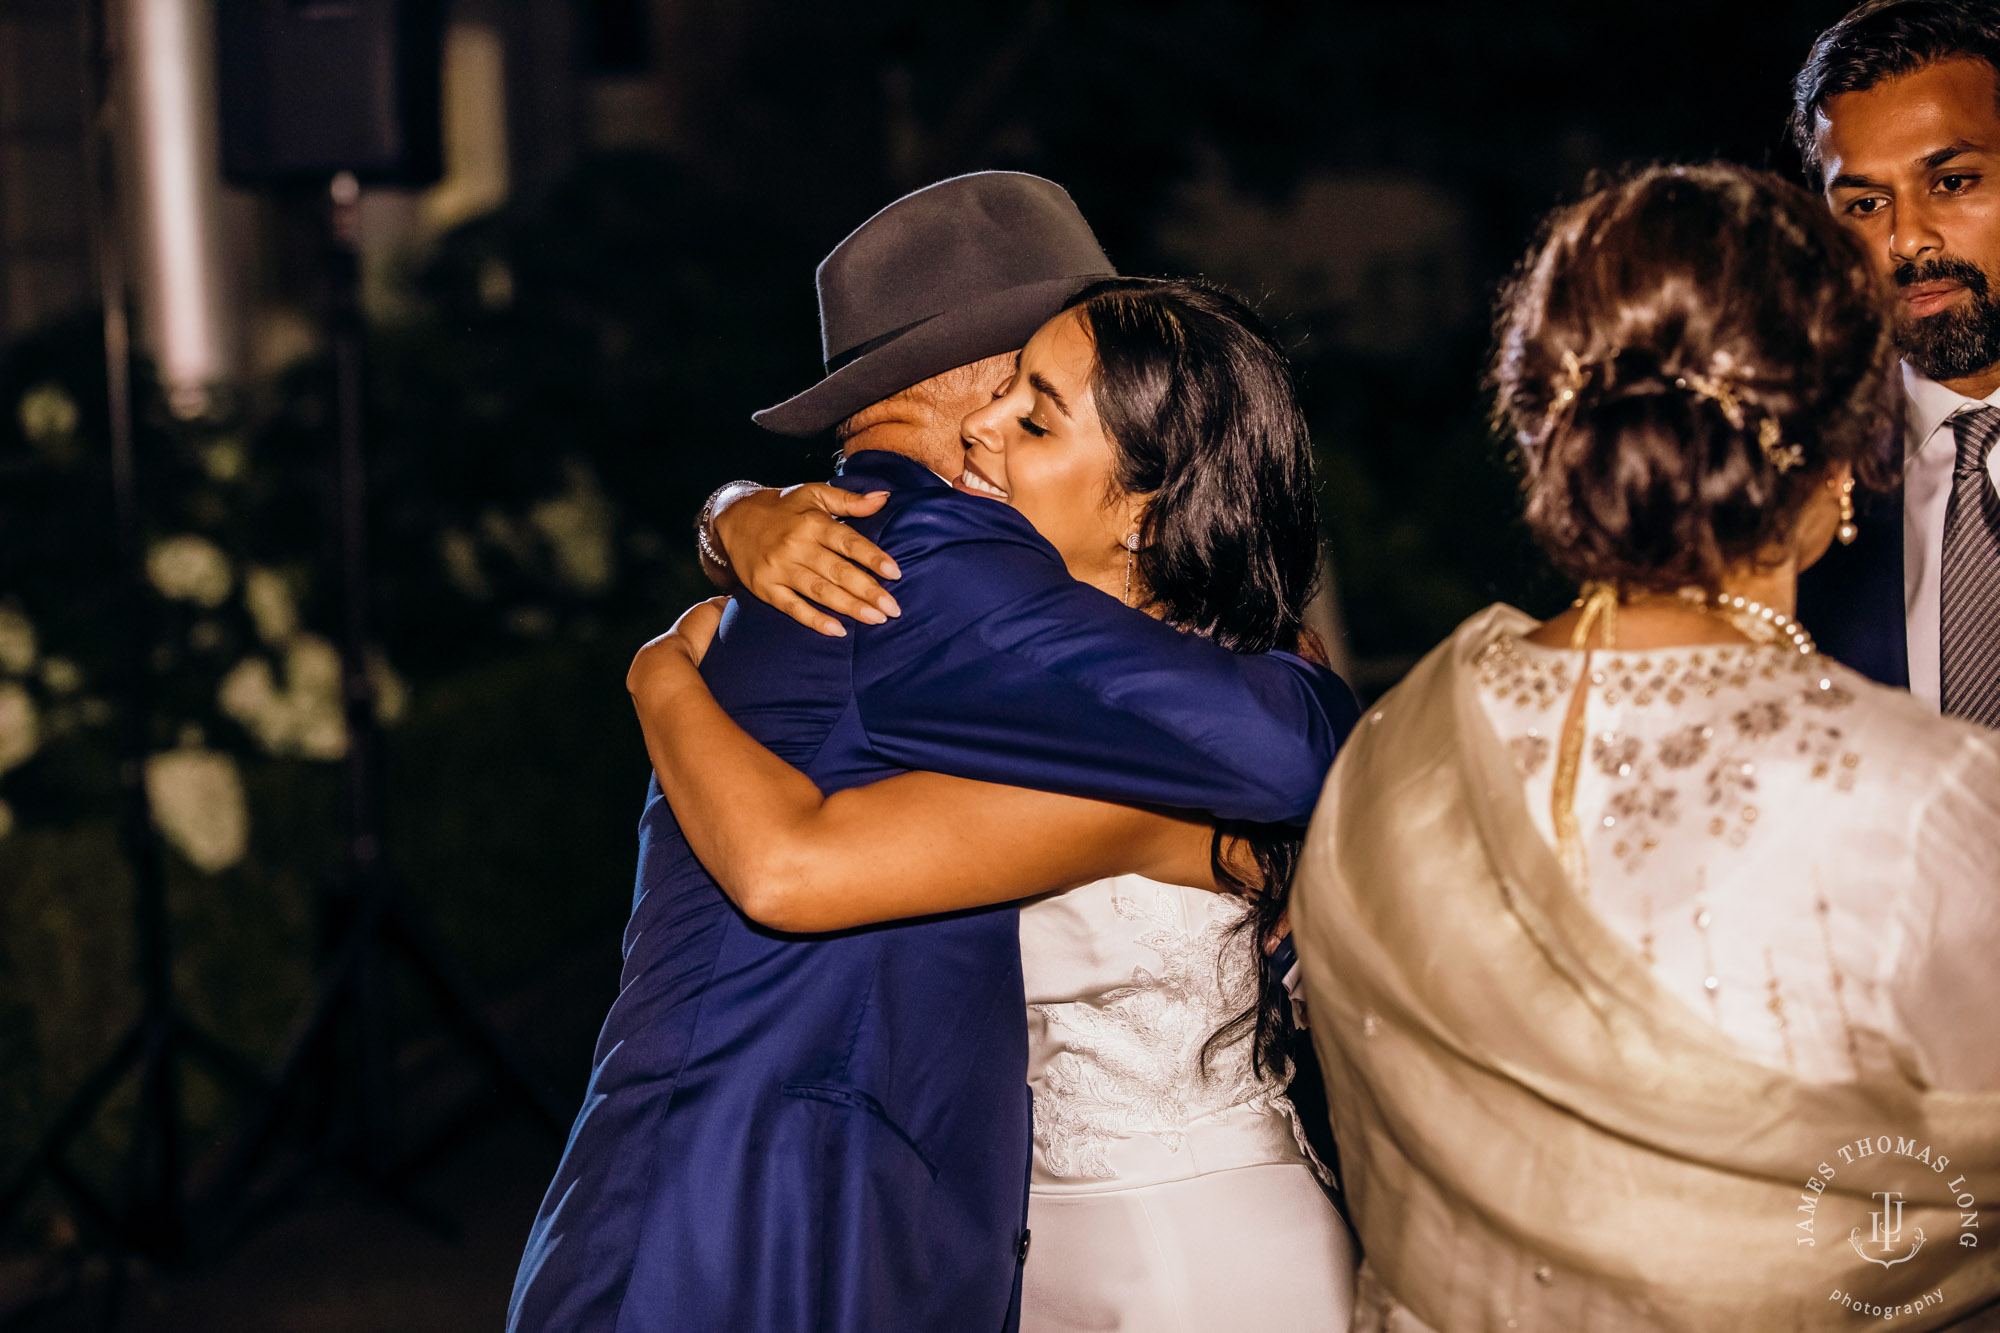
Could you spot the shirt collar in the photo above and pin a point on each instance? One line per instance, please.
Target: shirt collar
(899, 470)
(1930, 405)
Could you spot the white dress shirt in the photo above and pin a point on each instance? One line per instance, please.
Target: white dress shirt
(1930, 449)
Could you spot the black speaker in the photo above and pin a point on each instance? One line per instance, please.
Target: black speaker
(312, 88)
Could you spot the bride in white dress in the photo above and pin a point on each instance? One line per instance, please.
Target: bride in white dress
(1163, 1180)
(1171, 1188)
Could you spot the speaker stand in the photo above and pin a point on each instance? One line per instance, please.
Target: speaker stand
(151, 1216)
(334, 1079)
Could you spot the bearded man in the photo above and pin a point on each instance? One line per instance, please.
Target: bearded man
(1897, 115)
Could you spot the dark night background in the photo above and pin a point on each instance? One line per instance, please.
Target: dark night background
(556, 382)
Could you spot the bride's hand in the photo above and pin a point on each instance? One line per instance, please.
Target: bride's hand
(680, 648)
(790, 551)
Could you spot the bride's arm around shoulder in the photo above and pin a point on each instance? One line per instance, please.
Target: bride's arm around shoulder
(1945, 982)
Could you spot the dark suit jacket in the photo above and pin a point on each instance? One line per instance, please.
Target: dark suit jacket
(793, 1133)
(1851, 601)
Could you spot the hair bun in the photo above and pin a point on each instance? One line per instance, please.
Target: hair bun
(1656, 456)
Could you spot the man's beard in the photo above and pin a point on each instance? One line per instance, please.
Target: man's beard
(1958, 342)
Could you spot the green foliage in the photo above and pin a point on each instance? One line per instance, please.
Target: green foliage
(540, 432)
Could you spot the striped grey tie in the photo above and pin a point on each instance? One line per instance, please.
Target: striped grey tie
(1969, 623)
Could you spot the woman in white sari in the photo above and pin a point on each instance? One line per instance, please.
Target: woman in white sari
(1650, 955)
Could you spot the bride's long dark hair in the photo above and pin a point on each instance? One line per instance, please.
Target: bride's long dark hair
(1198, 403)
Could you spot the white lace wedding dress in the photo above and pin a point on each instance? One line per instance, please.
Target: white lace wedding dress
(1164, 1198)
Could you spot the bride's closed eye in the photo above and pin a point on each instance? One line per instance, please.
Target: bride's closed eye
(1028, 425)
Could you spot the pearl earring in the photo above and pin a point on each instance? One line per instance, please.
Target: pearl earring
(1847, 531)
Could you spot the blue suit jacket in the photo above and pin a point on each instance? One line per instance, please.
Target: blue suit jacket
(792, 1133)
(1852, 599)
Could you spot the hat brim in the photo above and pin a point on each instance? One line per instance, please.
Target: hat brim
(1001, 322)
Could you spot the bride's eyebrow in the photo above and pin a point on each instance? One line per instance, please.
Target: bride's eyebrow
(1041, 385)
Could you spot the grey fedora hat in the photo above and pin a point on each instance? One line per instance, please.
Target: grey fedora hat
(957, 272)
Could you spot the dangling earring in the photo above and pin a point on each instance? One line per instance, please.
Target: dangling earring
(1847, 531)
(1131, 547)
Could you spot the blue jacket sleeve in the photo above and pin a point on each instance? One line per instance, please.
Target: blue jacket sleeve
(1005, 669)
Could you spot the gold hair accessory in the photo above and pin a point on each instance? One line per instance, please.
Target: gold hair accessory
(1770, 435)
(1770, 438)
(1566, 385)
(1718, 391)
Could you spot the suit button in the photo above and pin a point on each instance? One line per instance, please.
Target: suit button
(1021, 1250)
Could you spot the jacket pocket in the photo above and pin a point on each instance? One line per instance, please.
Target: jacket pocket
(842, 1094)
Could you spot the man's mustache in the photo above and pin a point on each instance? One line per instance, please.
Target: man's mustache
(1947, 269)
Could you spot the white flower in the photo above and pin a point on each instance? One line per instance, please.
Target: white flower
(312, 669)
(47, 414)
(304, 718)
(190, 569)
(312, 678)
(392, 694)
(269, 598)
(224, 460)
(249, 694)
(6, 819)
(578, 526)
(458, 551)
(61, 675)
(197, 799)
(322, 735)
(17, 642)
(20, 727)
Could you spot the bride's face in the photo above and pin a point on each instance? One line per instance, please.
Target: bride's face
(1039, 447)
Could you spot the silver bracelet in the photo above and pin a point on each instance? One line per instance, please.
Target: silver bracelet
(705, 521)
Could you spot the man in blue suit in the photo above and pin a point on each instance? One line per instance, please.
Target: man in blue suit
(790, 1133)
(1897, 115)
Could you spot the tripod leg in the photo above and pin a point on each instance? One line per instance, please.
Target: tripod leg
(219, 1058)
(375, 1059)
(456, 1000)
(92, 1212)
(315, 1025)
(469, 1119)
(73, 1117)
(156, 1188)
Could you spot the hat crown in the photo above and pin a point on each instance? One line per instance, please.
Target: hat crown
(946, 246)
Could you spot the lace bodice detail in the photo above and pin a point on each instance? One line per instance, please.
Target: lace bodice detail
(1127, 980)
